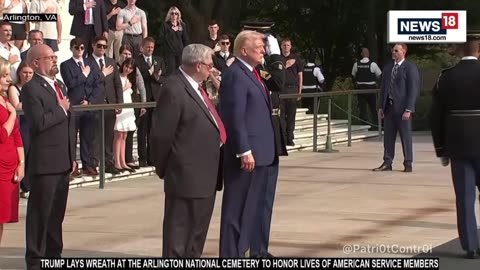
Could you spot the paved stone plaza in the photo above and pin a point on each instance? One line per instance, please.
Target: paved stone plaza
(324, 202)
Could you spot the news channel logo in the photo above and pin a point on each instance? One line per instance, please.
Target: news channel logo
(427, 26)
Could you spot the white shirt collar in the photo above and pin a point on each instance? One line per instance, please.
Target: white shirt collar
(98, 58)
(192, 82)
(469, 58)
(365, 60)
(246, 64)
(48, 79)
(399, 63)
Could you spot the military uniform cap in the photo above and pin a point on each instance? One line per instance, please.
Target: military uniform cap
(258, 25)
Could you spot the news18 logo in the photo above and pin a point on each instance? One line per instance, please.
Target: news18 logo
(420, 26)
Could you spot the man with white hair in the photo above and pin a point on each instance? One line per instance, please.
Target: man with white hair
(246, 109)
(186, 145)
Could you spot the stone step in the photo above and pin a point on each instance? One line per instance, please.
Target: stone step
(342, 138)
(334, 130)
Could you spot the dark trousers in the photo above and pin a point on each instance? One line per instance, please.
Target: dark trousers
(110, 118)
(466, 175)
(143, 135)
(185, 225)
(261, 235)
(45, 213)
(24, 184)
(309, 102)
(393, 123)
(88, 35)
(135, 41)
(172, 62)
(85, 124)
(242, 192)
(289, 112)
(367, 102)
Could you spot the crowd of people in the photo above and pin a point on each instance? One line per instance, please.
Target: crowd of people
(219, 123)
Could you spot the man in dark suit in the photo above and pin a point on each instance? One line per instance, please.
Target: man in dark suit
(246, 110)
(400, 90)
(35, 37)
(110, 92)
(223, 58)
(82, 86)
(186, 141)
(455, 125)
(50, 157)
(89, 21)
(152, 69)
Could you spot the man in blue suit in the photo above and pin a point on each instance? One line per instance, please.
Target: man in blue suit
(400, 90)
(245, 108)
(82, 87)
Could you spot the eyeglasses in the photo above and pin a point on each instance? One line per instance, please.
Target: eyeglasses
(79, 48)
(225, 43)
(51, 57)
(101, 46)
(174, 13)
(210, 66)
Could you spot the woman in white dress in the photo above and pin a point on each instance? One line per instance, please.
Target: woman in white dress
(126, 119)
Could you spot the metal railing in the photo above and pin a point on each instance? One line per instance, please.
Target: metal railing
(330, 95)
(101, 108)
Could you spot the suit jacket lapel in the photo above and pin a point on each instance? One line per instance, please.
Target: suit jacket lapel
(45, 85)
(192, 92)
(254, 79)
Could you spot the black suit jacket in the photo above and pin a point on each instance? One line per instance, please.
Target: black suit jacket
(52, 132)
(219, 62)
(456, 135)
(185, 141)
(80, 87)
(111, 90)
(152, 85)
(100, 24)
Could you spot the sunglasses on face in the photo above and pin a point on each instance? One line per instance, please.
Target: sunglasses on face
(79, 48)
(175, 13)
(101, 46)
(225, 43)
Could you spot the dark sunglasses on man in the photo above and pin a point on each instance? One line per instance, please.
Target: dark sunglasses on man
(101, 46)
(225, 43)
(79, 48)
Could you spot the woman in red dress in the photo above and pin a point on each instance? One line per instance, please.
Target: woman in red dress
(11, 149)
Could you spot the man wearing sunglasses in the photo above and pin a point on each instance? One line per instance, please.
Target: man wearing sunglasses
(400, 90)
(82, 87)
(223, 58)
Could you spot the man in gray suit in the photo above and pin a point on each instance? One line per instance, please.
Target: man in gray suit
(186, 141)
(400, 90)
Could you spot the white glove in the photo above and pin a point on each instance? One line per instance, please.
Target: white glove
(445, 161)
(272, 46)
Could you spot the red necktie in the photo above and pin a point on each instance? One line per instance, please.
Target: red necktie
(259, 79)
(213, 111)
(58, 90)
(87, 14)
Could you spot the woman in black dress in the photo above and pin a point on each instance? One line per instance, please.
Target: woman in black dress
(174, 36)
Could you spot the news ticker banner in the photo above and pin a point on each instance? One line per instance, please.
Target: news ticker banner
(223, 263)
(427, 26)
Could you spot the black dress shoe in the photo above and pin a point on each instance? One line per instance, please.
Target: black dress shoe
(383, 168)
(129, 170)
(475, 254)
(135, 167)
(112, 170)
(408, 169)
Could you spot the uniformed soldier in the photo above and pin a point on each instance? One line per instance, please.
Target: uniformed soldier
(455, 125)
(272, 72)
